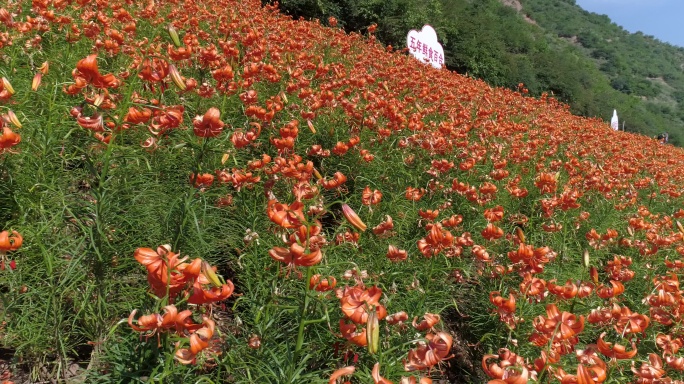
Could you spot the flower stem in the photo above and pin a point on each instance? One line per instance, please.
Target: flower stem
(302, 320)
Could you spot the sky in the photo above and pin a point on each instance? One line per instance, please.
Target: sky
(663, 19)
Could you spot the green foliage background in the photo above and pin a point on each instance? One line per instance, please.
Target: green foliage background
(552, 46)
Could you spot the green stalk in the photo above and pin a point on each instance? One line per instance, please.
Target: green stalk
(302, 315)
(191, 192)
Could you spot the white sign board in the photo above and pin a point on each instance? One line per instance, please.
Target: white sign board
(614, 121)
(424, 46)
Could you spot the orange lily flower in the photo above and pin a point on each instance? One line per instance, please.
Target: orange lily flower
(429, 321)
(357, 301)
(397, 318)
(567, 291)
(351, 333)
(492, 232)
(371, 198)
(155, 322)
(199, 341)
(437, 240)
(429, 354)
(158, 263)
(338, 179)
(414, 194)
(481, 253)
(8, 139)
(667, 344)
(87, 68)
(504, 305)
(166, 118)
(287, 216)
(650, 372)
(395, 254)
(201, 296)
(557, 325)
(202, 180)
(136, 116)
(546, 182)
(377, 379)
(494, 214)
(296, 255)
(631, 322)
(180, 321)
(10, 242)
(341, 372)
(322, 284)
(147, 323)
(383, 228)
(429, 215)
(615, 351)
(208, 125)
(452, 221)
(500, 371)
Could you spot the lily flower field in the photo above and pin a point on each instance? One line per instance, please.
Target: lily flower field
(212, 192)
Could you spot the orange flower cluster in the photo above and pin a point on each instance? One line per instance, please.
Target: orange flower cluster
(437, 240)
(362, 312)
(560, 329)
(510, 369)
(590, 370)
(200, 336)
(86, 73)
(169, 275)
(505, 308)
(427, 354)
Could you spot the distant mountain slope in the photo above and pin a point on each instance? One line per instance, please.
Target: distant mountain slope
(635, 63)
(550, 46)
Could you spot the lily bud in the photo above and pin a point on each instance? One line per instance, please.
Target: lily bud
(177, 78)
(13, 119)
(211, 275)
(593, 272)
(36, 81)
(44, 68)
(174, 35)
(630, 231)
(585, 258)
(681, 228)
(283, 96)
(353, 218)
(317, 174)
(373, 332)
(6, 84)
(311, 126)
(520, 234)
(99, 99)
